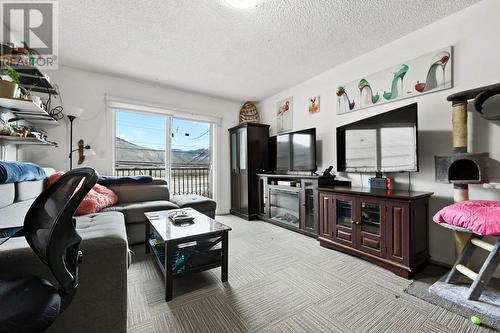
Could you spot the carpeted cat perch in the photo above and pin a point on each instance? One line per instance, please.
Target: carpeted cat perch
(470, 220)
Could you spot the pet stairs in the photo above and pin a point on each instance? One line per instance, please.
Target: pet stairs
(481, 279)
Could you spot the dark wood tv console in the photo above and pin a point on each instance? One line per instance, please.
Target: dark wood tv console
(291, 201)
(388, 228)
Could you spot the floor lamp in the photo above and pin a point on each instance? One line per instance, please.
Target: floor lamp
(83, 150)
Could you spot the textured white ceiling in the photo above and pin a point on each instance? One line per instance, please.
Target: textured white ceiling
(209, 47)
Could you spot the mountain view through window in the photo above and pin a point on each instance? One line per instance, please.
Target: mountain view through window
(140, 149)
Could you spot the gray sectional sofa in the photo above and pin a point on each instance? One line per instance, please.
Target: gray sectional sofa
(136, 199)
(100, 304)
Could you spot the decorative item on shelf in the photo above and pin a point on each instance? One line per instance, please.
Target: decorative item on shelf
(284, 115)
(9, 85)
(428, 73)
(18, 56)
(28, 131)
(249, 113)
(314, 105)
(22, 133)
(13, 74)
(8, 89)
(5, 128)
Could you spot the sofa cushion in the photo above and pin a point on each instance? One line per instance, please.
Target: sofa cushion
(7, 194)
(134, 212)
(29, 189)
(96, 225)
(201, 204)
(128, 193)
(13, 215)
(102, 288)
(136, 233)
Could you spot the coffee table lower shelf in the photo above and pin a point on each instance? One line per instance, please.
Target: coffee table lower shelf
(199, 262)
(188, 256)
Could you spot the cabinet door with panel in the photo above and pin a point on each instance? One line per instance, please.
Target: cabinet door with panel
(397, 232)
(235, 174)
(327, 215)
(309, 198)
(370, 222)
(243, 169)
(263, 197)
(344, 228)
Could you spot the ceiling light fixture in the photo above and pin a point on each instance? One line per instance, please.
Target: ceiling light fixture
(242, 4)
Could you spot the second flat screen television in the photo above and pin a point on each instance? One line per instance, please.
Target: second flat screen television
(293, 151)
(387, 142)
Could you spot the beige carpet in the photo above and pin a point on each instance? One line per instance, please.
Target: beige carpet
(281, 281)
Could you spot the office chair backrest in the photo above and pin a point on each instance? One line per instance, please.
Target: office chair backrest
(49, 226)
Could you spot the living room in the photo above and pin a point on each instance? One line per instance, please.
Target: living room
(201, 108)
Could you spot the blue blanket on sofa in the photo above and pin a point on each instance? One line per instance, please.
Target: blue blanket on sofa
(15, 172)
(119, 180)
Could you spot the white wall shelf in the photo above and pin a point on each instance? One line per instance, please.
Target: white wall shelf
(15, 140)
(31, 77)
(27, 110)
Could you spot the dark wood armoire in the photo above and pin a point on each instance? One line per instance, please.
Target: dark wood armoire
(249, 156)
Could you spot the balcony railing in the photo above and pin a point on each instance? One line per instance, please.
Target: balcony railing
(183, 180)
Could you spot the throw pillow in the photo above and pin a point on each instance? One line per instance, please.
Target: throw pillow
(98, 198)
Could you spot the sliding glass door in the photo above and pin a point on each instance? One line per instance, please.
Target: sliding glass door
(190, 157)
(176, 149)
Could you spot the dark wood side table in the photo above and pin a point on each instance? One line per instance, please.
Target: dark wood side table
(186, 249)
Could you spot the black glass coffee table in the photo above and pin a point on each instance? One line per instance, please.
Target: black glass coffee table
(185, 249)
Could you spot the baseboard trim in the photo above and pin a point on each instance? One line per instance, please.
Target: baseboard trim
(440, 263)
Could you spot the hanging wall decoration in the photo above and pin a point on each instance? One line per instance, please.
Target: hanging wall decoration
(284, 115)
(314, 105)
(425, 74)
(249, 113)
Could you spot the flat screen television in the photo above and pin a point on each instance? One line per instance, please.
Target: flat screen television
(294, 151)
(384, 143)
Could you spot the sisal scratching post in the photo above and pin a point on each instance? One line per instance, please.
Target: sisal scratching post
(459, 121)
(460, 191)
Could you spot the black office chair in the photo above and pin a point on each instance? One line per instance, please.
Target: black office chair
(30, 303)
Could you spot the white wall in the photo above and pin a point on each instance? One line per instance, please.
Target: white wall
(88, 90)
(474, 34)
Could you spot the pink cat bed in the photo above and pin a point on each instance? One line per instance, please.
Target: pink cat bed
(481, 217)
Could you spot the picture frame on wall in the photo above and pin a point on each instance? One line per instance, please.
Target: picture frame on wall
(425, 74)
(284, 115)
(314, 105)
